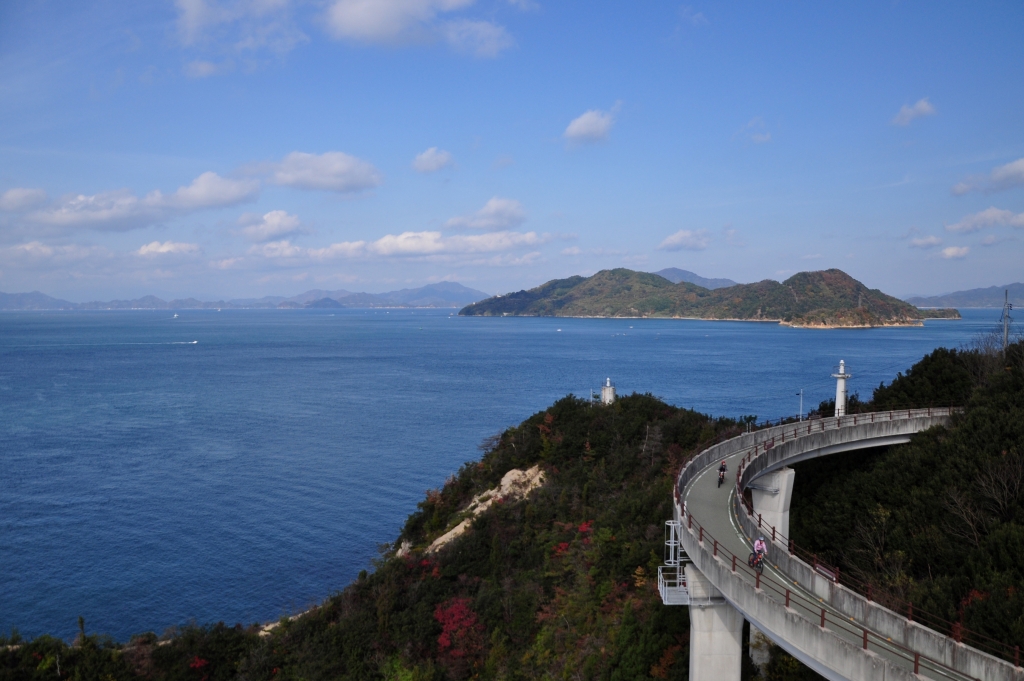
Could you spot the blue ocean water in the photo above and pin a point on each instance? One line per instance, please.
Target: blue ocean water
(241, 465)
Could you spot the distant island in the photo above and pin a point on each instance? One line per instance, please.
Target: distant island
(825, 299)
(442, 294)
(676, 275)
(993, 296)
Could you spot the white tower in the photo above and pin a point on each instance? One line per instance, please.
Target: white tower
(841, 389)
(607, 392)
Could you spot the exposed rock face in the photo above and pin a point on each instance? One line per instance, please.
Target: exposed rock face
(515, 484)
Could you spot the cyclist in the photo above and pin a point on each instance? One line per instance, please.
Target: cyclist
(721, 473)
(760, 547)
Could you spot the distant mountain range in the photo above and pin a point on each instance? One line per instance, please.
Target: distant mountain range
(830, 298)
(975, 297)
(676, 275)
(442, 294)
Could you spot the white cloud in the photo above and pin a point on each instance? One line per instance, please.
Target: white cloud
(591, 126)
(990, 217)
(406, 244)
(279, 249)
(121, 210)
(479, 38)
(687, 240)
(226, 263)
(405, 21)
(1003, 177)
(21, 198)
(37, 251)
(240, 25)
(332, 171)
(524, 5)
(925, 242)
(951, 252)
(908, 113)
(497, 214)
(811, 256)
(201, 68)
(271, 226)
(692, 16)
(384, 20)
(755, 130)
(431, 160)
(168, 248)
(571, 250)
(1009, 175)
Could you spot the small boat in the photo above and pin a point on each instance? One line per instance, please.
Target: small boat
(175, 315)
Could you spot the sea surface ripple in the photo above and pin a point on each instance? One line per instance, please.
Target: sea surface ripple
(147, 480)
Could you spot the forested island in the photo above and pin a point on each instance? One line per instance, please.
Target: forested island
(553, 574)
(824, 299)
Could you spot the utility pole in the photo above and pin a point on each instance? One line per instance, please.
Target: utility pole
(1007, 306)
(801, 394)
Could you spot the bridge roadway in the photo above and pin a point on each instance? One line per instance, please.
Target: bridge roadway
(803, 608)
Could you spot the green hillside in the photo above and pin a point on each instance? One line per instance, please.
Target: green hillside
(817, 299)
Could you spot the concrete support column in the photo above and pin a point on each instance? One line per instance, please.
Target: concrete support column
(716, 632)
(772, 494)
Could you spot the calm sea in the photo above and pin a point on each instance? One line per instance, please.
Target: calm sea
(149, 480)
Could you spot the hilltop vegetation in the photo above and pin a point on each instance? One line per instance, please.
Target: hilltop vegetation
(815, 299)
(939, 522)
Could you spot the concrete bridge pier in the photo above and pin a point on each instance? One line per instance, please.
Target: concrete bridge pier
(716, 632)
(772, 494)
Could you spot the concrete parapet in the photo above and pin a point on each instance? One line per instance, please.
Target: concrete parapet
(820, 649)
(878, 619)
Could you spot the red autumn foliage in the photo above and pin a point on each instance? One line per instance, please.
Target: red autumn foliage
(461, 631)
(198, 663)
(586, 527)
(562, 548)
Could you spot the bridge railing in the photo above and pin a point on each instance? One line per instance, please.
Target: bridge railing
(762, 441)
(810, 608)
(815, 568)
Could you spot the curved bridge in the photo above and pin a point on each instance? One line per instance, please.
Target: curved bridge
(798, 602)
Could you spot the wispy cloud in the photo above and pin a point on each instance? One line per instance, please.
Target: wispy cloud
(955, 252)
(404, 245)
(333, 171)
(479, 38)
(21, 198)
(121, 210)
(497, 214)
(686, 240)
(688, 15)
(990, 217)
(410, 21)
(201, 68)
(1001, 177)
(432, 160)
(591, 126)
(155, 248)
(755, 130)
(270, 226)
(925, 242)
(908, 113)
(238, 25)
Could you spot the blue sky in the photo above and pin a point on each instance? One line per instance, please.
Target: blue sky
(236, 148)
